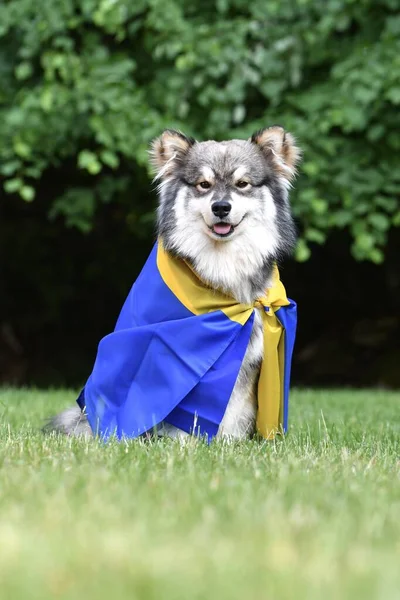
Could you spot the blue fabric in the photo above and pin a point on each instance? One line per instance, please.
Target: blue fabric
(217, 386)
(163, 363)
(287, 316)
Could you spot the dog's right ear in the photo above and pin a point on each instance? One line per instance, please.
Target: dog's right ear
(168, 150)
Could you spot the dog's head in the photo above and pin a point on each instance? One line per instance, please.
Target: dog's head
(226, 194)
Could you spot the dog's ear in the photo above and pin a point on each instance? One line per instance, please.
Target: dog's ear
(168, 150)
(280, 148)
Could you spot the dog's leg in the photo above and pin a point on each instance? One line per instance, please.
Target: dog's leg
(71, 421)
(167, 430)
(240, 416)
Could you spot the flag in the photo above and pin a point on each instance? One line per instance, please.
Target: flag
(176, 352)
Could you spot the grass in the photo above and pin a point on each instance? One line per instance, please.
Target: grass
(316, 516)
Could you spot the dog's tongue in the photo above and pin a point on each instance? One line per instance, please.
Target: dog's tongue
(222, 228)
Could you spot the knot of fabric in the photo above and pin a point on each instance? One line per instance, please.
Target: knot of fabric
(259, 303)
(262, 303)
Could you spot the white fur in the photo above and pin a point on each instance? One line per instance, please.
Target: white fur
(165, 168)
(282, 165)
(71, 422)
(208, 174)
(230, 264)
(239, 173)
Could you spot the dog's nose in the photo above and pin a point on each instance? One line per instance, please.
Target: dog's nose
(221, 209)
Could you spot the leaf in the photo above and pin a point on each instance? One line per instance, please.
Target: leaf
(110, 159)
(314, 235)
(8, 168)
(89, 161)
(376, 256)
(13, 185)
(319, 206)
(310, 168)
(23, 71)
(365, 241)
(302, 252)
(77, 206)
(341, 218)
(27, 193)
(22, 149)
(379, 221)
(393, 94)
(239, 114)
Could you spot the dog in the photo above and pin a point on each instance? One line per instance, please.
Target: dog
(224, 209)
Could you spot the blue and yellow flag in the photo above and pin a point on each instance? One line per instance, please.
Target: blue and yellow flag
(176, 352)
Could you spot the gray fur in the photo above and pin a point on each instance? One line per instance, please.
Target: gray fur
(72, 421)
(223, 158)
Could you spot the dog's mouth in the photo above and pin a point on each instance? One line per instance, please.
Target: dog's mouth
(223, 229)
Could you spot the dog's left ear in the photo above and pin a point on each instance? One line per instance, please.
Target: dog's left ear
(280, 148)
(168, 150)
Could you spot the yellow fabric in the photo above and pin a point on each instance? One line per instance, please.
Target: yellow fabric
(199, 298)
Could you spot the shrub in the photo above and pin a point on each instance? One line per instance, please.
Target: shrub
(88, 83)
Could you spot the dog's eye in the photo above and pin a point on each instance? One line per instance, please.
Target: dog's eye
(242, 185)
(203, 185)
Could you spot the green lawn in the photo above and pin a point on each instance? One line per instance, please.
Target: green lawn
(316, 516)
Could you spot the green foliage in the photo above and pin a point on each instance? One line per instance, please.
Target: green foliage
(92, 81)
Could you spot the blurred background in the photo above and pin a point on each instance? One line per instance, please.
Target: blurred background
(84, 87)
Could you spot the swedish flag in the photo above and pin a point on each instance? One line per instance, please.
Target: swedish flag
(176, 352)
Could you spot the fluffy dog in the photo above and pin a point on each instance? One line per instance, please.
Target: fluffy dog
(223, 208)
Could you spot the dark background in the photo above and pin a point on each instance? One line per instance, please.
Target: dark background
(85, 86)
